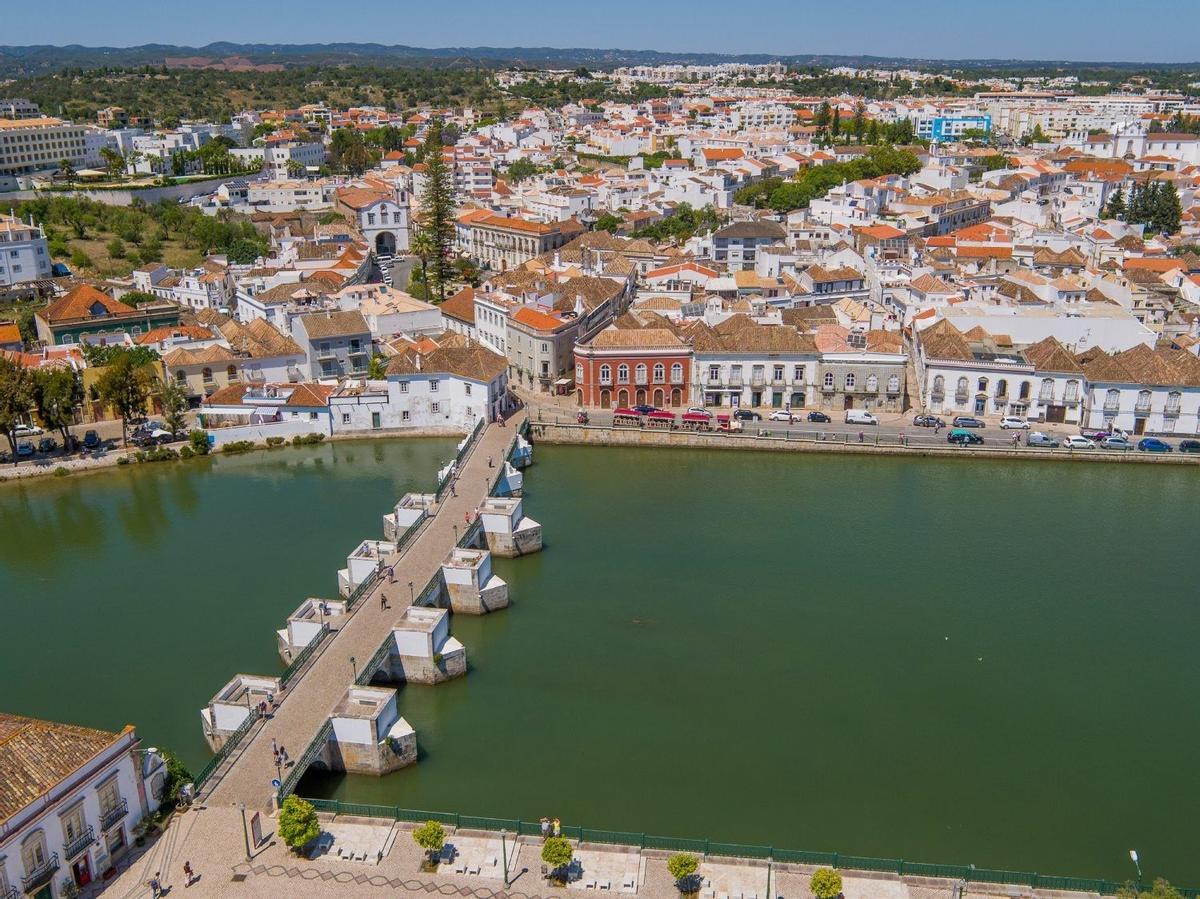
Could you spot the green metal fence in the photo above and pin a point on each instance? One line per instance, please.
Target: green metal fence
(374, 663)
(310, 753)
(361, 590)
(739, 850)
(230, 744)
(304, 655)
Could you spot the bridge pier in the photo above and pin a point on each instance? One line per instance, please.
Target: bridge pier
(360, 564)
(233, 705)
(304, 625)
(369, 736)
(472, 588)
(422, 650)
(509, 533)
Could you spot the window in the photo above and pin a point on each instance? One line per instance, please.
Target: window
(231, 373)
(1174, 401)
(1002, 387)
(312, 416)
(110, 796)
(578, 373)
(435, 407)
(851, 380)
(325, 348)
(403, 386)
(777, 373)
(466, 389)
(1143, 400)
(433, 386)
(622, 373)
(1047, 392)
(207, 375)
(798, 373)
(641, 374)
(33, 851)
(939, 385)
(962, 386)
(660, 373)
(605, 374)
(872, 383)
(1072, 392)
(1024, 393)
(829, 379)
(981, 387)
(404, 415)
(677, 373)
(894, 384)
(714, 372)
(181, 377)
(345, 418)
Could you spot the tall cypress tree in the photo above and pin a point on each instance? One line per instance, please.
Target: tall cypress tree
(1116, 205)
(1168, 212)
(435, 220)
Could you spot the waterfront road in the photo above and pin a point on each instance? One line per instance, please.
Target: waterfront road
(306, 705)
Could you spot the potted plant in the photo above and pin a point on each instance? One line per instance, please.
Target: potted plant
(826, 883)
(683, 867)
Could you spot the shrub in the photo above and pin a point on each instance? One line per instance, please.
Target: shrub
(557, 853)
(124, 460)
(298, 824)
(186, 452)
(177, 776)
(431, 837)
(61, 472)
(307, 439)
(238, 446)
(683, 866)
(198, 441)
(826, 883)
(274, 441)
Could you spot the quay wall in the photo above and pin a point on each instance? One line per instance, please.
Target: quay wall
(571, 434)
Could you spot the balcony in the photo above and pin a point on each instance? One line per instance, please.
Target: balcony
(960, 398)
(778, 381)
(1141, 409)
(1112, 405)
(1171, 411)
(758, 381)
(1046, 399)
(735, 380)
(714, 381)
(80, 843)
(677, 379)
(40, 876)
(937, 396)
(1070, 400)
(828, 388)
(114, 814)
(641, 380)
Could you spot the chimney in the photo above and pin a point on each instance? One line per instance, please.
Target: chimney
(418, 361)
(579, 304)
(557, 259)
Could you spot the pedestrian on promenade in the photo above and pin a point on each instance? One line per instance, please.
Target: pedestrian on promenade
(466, 517)
(155, 886)
(391, 574)
(490, 465)
(274, 746)
(283, 755)
(271, 701)
(860, 436)
(188, 873)
(382, 601)
(545, 827)
(557, 828)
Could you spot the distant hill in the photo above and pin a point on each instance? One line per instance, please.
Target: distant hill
(42, 59)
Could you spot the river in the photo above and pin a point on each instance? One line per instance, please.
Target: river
(132, 595)
(949, 661)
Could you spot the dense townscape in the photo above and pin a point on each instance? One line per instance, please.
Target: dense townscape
(720, 249)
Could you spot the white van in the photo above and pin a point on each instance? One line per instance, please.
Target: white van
(860, 417)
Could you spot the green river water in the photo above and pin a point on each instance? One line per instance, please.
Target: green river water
(944, 661)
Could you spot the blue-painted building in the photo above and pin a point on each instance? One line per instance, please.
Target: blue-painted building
(949, 128)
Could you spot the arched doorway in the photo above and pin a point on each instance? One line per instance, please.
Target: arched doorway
(622, 397)
(579, 397)
(641, 397)
(385, 244)
(605, 400)
(658, 396)
(676, 397)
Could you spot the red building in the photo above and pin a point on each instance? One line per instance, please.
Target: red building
(630, 366)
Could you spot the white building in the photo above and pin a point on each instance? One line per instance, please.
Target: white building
(24, 253)
(72, 799)
(451, 387)
(38, 145)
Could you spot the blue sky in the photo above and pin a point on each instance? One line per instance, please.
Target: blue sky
(1150, 30)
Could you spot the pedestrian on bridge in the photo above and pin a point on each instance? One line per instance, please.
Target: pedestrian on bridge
(156, 889)
(382, 601)
(189, 874)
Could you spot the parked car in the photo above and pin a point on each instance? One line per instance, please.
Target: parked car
(1153, 445)
(746, 415)
(1078, 441)
(645, 409)
(1189, 446)
(91, 440)
(1098, 434)
(1115, 442)
(860, 417)
(24, 448)
(1037, 438)
(27, 431)
(967, 421)
(928, 421)
(1012, 421)
(963, 437)
(819, 418)
(699, 410)
(47, 445)
(783, 415)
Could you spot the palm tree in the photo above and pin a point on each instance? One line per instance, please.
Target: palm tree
(423, 248)
(113, 161)
(66, 168)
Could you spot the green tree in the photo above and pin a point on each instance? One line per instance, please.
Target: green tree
(298, 824)
(16, 398)
(608, 222)
(113, 161)
(57, 392)
(431, 837)
(377, 368)
(557, 853)
(421, 245)
(826, 883)
(835, 124)
(116, 248)
(858, 124)
(1161, 889)
(1116, 205)
(1168, 211)
(436, 216)
(177, 775)
(682, 867)
(124, 386)
(66, 168)
(174, 402)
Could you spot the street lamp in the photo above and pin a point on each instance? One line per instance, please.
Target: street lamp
(354, 667)
(245, 831)
(504, 855)
(1133, 856)
(411, 596)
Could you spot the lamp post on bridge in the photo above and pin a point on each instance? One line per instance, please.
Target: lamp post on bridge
(354, 667)
(504, 855)
(1133, 856)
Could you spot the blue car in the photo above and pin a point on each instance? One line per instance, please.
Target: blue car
(1153, 445)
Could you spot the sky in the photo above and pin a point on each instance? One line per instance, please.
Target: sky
(1108, 30)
